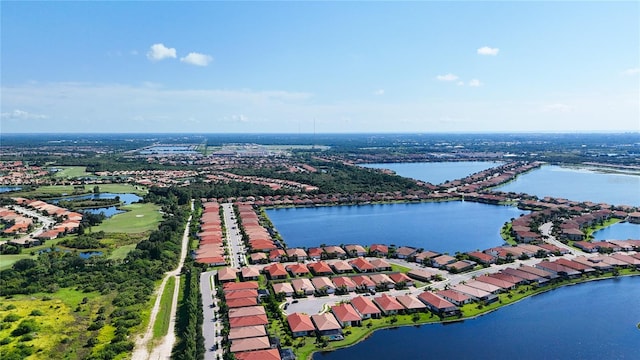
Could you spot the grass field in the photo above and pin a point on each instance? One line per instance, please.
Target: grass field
(60, 190)
(67, 172)
(58, 320)
(121, 252)
(137, 218)
(161, 326)
(7, 260)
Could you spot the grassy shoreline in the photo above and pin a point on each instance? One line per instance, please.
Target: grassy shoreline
(470, 312)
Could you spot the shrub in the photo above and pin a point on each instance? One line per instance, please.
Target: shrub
(11, 318)
(25, 327)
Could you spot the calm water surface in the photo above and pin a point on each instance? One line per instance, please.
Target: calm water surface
(125, 198)
(595, 320)
(442, 226)
(107, 211)
(436, 172)
(619, 231)
(9, 188)
(578, 185)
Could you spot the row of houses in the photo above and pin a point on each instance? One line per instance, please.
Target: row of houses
(608, 245)
(18, 224)
(258, 238)
(211, 246)
(67, 221)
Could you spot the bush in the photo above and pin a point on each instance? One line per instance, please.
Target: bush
(25, 327)
(11, 318)
(36, 312)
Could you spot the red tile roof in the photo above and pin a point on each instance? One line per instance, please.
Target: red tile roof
(345, 312)
(300, 322)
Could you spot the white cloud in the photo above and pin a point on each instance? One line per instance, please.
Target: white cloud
(633, 71)
(239, 118)
(447, 77)
(485, 50)
(18, 114)
(158, 52)
(379, 92)
(197, 59)
(475, 83)
(460, 83)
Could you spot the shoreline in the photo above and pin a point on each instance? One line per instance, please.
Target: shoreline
(451, 321)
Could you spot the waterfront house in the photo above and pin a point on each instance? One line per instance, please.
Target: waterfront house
(297, 269)
(300, 324)
(379, 250)
(322, 283)
(525, 276)
(425, 257)
(363, 282)
(344, 283)
(333, 252)
(346, 315)
(411, 303)
(275, 271)
(380, 264)
(326, 324)
(315, 253)
(575, 265)
(388, 304)
(634, 217)
(341, 267)
(482, 257)
(438, 305)
(296, 254)
(365, 307)
(537, 271)
(250, 273)
(508, 278)
(475, 293)
(502, 284)
(401, 278)
(362, 265)
(284, 288)
(303, 286)
(320, 268)
(573, 234)
(557, 269)
(628, 259)
(382, 281)
(484, 286)
(455, 297)
(355, 250)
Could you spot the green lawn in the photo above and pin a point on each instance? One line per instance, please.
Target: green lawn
(60, 190)
(137, 218)
(6, 261)
(72, 172)
(398, 268)
(161, 326)
(121, 252)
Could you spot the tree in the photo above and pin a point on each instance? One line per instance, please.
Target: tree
(96, 189)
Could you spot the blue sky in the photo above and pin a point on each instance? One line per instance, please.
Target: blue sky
(236, 67)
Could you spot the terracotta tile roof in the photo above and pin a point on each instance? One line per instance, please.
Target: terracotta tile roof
(364, 306)
(250, 344)
(320, 267)
(435, 301)
(345, 312)
(270, 354)
(240, 286)
(410, 302)
(275, 270)
(247, 332)
(361, 264)
(387, 303)
(326, 321)
(248, 321)
(300, 322)
(247, 311)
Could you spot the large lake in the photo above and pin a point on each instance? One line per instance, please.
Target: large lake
(596, 320)
(619, 231)
(440, 226)
(436, 172)
(579, 185)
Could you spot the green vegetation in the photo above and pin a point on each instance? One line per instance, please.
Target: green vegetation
(70, 172)
(140, 217)
(49, 191)
(505, 232)
(121, 252)
(190, 344)
(161, 326)
(592, 229)
(399, 268)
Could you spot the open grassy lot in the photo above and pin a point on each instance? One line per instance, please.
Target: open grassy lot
(46, 326)
(61, 190)
(161, 326)
(67, 172)
(30, 253)
(137, 218)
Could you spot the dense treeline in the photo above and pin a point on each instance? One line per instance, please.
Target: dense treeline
(132, 280)
(189, 323)
(336, 177)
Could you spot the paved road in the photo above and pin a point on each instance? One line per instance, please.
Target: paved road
(545, 229)
(44, 222)
(235, 245)
(210, 327)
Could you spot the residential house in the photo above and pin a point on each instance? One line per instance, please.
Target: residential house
(346, 315)
(362, 265)
(421, 274)
(481, 257)
(275, 271)
(326, 324)
(341, 267)
(355, 250)
(364, 282)
(502, 284)
(227, 274)
(442, 261)
(461, 266)
(320, 268)
(405, 252)
(401, 278)
(322, 283)
(315, 253)
(388, 304)
(303, 286)
(455, 297)
(379, 250)
(300, 324)
(250, 344)
(380, 264)
(268, 354)
(250, 273)
(411, 303)
(345, 283)
(297, 269)
(438, 305)
(382, 281)
(247, 332)
(284, 288)
(333, 252)
(365, 307)
(277, 255)
(296, 254)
